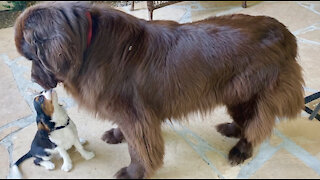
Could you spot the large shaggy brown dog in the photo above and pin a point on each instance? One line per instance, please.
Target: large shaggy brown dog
(139, 73)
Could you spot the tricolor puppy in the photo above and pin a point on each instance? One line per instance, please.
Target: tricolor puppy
(56, 134)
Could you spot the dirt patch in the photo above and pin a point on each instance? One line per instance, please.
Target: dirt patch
(7, 18)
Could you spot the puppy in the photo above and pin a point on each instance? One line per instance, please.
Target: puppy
(56, 134)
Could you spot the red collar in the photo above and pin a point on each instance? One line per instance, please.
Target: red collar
(90, 29)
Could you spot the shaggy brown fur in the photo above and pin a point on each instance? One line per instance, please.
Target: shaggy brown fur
(139, 73)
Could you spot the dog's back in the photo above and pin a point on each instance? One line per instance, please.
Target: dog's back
(224, 60)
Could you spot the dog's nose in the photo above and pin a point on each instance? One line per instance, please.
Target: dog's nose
(50, 91)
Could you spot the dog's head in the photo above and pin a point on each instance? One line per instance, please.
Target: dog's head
(45, 104)
(53, 36)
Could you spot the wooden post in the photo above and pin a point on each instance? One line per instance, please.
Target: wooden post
(132, 6)
(150, 9)
(244, 4)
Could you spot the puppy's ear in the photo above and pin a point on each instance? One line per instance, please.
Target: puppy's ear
(44, 123)
(42, 126)
(40, 123)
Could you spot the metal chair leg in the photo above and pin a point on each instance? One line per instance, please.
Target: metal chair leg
(315, 112)
(244, 4)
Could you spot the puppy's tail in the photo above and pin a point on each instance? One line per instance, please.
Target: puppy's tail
(14, 171)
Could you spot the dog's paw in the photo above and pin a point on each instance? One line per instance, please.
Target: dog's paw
(112, 136)
(127, 173)
(240, 152)
(229, 130)
(122, 174)
(82, 141)
(66, 167)
(47, 164)
(88, 155)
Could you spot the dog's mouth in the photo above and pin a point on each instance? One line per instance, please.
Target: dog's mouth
(49, 84)
(44, 78)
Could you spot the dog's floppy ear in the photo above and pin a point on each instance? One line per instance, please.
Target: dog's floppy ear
(44, 122)
(51, 43)
(42, 126)
(53, 34)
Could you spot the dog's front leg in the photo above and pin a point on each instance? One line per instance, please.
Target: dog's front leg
(67, 163)
(146, 146)
(85, 154)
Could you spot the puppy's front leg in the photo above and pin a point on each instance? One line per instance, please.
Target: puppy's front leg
(85, 154)
(67, 163)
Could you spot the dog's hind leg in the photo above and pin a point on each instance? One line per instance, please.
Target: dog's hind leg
(113, 136)
(146, 147)
(230, 129)
(47, 164)
(240, 113)
(256, 120)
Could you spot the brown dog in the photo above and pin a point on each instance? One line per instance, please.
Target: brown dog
(139, 73)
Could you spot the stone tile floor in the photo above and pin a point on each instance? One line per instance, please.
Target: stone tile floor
(193, 149)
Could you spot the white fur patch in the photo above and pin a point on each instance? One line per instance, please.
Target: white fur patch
(47, 164)
(14, 173)
(82, 141)
(47, 94)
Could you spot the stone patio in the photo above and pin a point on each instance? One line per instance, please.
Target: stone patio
(194, 149)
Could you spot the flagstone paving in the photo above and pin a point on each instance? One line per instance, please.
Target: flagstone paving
(193, 149)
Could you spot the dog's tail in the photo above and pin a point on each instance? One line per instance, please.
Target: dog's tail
(14, 171)
(288, 97)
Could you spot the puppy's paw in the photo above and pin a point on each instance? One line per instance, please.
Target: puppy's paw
(47, 164)
(82, 141)
(88, 155)
(66, 167)
(113, 136)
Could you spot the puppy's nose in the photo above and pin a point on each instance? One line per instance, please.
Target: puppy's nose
(50, 91)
